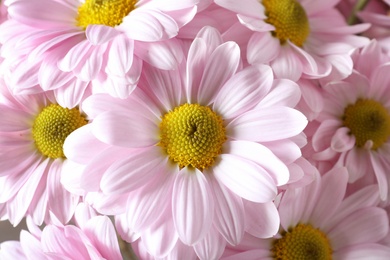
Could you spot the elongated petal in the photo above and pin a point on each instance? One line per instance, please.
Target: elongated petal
(212, 246)
(267, 124)
(261, 219)
(192, 206)
(134, 171)
(245, 178)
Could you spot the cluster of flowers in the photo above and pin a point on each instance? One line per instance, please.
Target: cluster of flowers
(195, 129)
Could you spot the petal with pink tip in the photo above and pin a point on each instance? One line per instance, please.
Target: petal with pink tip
(244, 178)
(192, 206)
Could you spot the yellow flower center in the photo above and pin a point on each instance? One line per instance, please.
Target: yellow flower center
(368, 120)
(192, 135)
(51, 127)
(302, 242)
(106, 12)
(289, 19)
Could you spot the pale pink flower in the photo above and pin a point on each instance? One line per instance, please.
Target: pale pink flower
(319, 222)
(31, 157)
(354, 126)
(63, 45)
(296, 38)
(139, 168)
(95, 240)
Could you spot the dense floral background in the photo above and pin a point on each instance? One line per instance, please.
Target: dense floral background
(195, 129)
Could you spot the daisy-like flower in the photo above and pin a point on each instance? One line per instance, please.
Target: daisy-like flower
(95, 239)
(297, 38)
(32, 134)
(183, 158)
(70, 43)
(354, 126)
(318, 222)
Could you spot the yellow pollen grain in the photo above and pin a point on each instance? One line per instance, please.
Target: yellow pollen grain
(51, 127)
(303, 242)
(192, 135)
(104, 12)
(367, 120)
(289, 19)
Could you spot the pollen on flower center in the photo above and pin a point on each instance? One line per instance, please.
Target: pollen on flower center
(289, 19)
(51, 127)
(106, 12)
(368, 120)
(192, 135)
(303, 242)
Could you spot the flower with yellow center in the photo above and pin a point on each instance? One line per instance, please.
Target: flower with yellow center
(302, 242)
(105, 12)
(290, 20)
(52, 126)
(192, 135)
(368, 120)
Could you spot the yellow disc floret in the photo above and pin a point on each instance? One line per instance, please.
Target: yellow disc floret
(303, 242)
(289, 19)
(368, 120)
(51, 127)
(105, 12)
(192, 135)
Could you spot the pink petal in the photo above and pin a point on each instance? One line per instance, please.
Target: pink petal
(330, 199)
(253, 184)
(243, 91)
(76, 55)
(380, 166)
(284, 92)
(136, 170)
(267, 124)
(148, 25)
(73, 93)
(120, 57)
(192, 206)
(99, 34)
(12, 250)
(61, 202)
(101, 233)
(229, 213)
(125, 129)
(262, 48)
(14, 120)
(31, 246)
(160, 238)
(146, 206)
(212, 246)
(342, 140)
(287, 64)
(324, 134)
(261, 219)
(164, 55)
(222, 65)
(247, 7)
(356, 163)
(372, 222)
(363, 251)
(263, 157)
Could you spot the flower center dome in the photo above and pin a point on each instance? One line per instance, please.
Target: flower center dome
(192, 135)
(51, 127)
(105, 12)
(303, 242)
(289, 19)
(368, 120)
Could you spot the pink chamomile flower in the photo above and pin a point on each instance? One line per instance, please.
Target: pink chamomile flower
(71, 43)
(319, 222)
(32, 133)
(197, 137)
(354, 126)
(297, 38)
